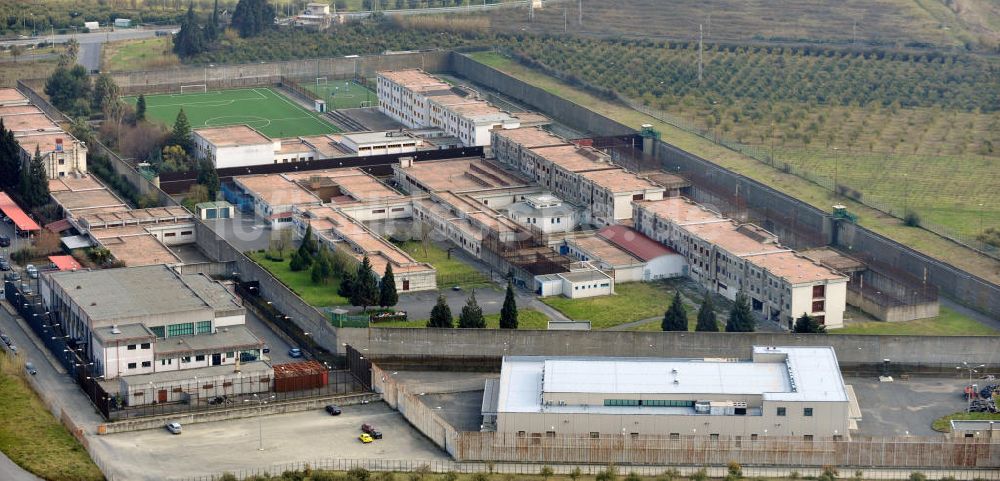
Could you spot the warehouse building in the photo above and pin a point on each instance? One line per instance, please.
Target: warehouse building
(779, 391)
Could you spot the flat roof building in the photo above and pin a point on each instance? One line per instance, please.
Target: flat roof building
(61, 153)
(779, 391)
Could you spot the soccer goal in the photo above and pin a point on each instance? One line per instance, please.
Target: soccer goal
(194, 89)
(322, 81)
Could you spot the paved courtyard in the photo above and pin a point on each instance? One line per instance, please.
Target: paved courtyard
(901, 407)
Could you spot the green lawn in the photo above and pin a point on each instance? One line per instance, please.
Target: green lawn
(34, 439)
(449, 271)
(139, 54)
(943, 425)
(948, 323)
(692, 315)
(264, 109)
(341, 94)
(301, 283)
(919, 239)
(526, 319)
(632, 302)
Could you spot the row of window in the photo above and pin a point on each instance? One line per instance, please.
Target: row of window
(132, 347)
(183, 329)
(649, 402)
(808, 412)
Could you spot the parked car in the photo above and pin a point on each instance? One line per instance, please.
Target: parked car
(365, 438)
(26, 289)
(333, 409)
(31, 270)
(30, 368)
(295, 352)
(372, 430)
(4, 265)
(12, 276)
(174, 428)
(6, 339)
(266, 349)
(4, 241)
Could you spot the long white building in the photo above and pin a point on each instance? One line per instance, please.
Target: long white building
(780, 391)
(419, 100)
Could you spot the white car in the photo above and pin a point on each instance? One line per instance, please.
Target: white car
(174, 428)
(32, 271)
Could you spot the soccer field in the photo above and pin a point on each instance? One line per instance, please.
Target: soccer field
(341, 94)
(271, 113)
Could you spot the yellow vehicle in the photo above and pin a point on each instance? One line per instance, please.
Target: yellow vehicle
(365, 438)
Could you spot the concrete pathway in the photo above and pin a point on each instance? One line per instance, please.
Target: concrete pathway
(12, 472)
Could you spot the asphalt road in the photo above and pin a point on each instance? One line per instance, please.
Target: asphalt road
(90, 43)
(12, 472)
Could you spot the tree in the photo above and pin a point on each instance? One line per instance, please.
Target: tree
(387, 289)
(508, 313)
(441, 314)
(807, 324)
(706, 316)
(308, 241)
(140, 108)
(69, 90)
(740, 316)
(296, 264)
(317, 272)
(208, 177)
(181, 133)
(252, 17)
(675, 319)
(106, 92)
(471, 316)
(16, 51)
(212, 28)
(365, 292)
(347, 281)
(175, 159)
(47, 242)
(34, 187)
(69, 55)
(189, 40)
(10, 159)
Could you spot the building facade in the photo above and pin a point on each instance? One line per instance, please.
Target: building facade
(779, 391)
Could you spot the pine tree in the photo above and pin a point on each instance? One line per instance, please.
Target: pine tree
(387, 289)
(740, 316)
(212, 27)
(295, 263)
(181, 134)
(441, 314)
(35, 182)
(189, 41)
(347, 281)
(508, 313)
(675, 319)
(807, 324)
(706, 316)
(471, 316)
(316, 274)
(308, 241)
(365, 292)
(10, 159)
(140, 108)
(252, 17)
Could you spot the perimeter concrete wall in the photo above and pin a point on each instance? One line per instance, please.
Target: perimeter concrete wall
(904, 352)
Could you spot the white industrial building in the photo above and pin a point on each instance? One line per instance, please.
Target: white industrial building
(780, 391)
(381, 143)
(580, 282)
(544, 212)
(235, 146)
(419, 100)
(141, 320)
(627, 253)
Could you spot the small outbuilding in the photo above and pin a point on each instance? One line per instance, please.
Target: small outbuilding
(214, 210)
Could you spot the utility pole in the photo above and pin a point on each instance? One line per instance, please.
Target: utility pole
(854, 33)
(701, 49)
(581, 12)
(565, 21)
(709, 25)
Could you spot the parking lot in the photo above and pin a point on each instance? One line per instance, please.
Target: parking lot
(212, 448)
(910, 406)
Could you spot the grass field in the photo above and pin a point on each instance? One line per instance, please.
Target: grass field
(341, 94)
(264, 109)
(34, 439)
(921, 240)
(301, 282)
(948, 323)
(449, 271)
(526, 319)
(633, 301)
(139, 54)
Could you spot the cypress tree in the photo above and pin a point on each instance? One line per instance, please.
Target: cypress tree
(208, 177)
(346, 288)
(308, 241)
(34, 182)
(471, 316)
(10, 159)
(140, 108)
(252, 17)
(189, 41)
(387, 289)
(706, 316)
(807, 324)
(441, 314)
(181, 134)
(365, 292)
(508, 313)
(675, 319)
(740, 316)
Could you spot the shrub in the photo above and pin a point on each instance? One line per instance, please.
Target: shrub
(575, 473)
(918, 476)
(633, 476)
(228, 477)
(450, 476)
(480, 477)
(700, 475)
(358, 474)
(546, 472)
(608, 474)
(386, 476)
(735, 470)
(911, 219)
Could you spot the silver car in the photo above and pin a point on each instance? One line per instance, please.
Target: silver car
(174, 428)
(30, 368)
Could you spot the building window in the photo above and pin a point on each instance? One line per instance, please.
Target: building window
(550, 434)
(131, 365)
(187, 232)
(185, 329)
(818, 306)
(200, 357)
(781, 411)
(157, 331)
(204, 327)
(131, 347)
(164, 362)
(595, 434)
(714, 436)
(147, 363)
(520, 434)
(808, 412)
(675, 435)
(819, 292)
(808, 437)
(753, 437)
(145, 345)
(186, 359)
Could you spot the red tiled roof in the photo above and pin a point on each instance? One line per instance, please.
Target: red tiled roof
(59, 225)
(280, 215)
(21, 220)
(634, 242)
(65, 263)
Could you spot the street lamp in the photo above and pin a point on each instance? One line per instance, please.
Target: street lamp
(971, 369)
(260, 418)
